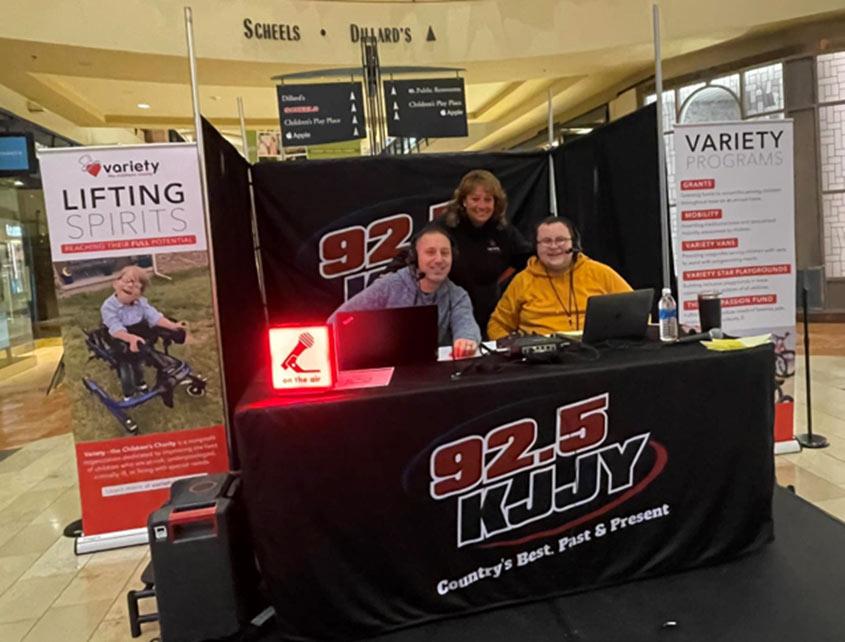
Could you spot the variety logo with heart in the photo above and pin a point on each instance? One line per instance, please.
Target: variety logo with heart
(122, 169)
(90, 165)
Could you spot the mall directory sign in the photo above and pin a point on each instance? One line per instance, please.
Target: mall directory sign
(314, 114)
(426, 108)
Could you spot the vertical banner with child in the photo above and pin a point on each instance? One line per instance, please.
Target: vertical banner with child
(127, 235)
(736, 238)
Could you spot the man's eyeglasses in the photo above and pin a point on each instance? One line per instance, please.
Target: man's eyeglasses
(560, 240)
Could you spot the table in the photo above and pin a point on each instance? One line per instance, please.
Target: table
(377, 509)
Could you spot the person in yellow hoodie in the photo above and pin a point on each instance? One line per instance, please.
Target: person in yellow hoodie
(550, 294)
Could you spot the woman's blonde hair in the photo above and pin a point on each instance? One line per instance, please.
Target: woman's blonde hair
(456, 212)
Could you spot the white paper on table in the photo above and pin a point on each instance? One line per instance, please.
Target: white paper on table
(365, 378)
(444, 353)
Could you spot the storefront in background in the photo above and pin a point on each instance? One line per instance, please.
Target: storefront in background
(28, 309)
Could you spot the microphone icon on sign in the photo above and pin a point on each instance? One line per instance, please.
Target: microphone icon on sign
(290, 362)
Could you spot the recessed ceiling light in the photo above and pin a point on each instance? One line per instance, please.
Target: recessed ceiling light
(143, 106)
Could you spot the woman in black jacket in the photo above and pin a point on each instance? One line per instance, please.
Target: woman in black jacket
(489, 248)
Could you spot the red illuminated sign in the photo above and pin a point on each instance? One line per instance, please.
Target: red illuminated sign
(301, 358)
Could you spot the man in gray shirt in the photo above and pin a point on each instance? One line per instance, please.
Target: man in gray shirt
(426, 282)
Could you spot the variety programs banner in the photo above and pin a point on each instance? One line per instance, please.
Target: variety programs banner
(736, 236)
(127, 233)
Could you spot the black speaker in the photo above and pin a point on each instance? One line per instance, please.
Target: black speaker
(206, 581)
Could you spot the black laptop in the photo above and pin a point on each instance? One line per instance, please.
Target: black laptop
(388, 337)
(617, 316)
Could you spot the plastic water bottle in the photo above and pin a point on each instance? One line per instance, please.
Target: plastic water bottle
(668, 312)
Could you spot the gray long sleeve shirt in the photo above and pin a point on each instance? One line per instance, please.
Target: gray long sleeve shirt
(400, 289)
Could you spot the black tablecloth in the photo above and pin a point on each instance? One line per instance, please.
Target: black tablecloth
(376, 509)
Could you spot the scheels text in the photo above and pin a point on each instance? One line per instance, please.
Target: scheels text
(578, 468)
(270, 31)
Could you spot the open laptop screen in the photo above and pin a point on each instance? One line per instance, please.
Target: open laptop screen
(617, 316)
(387, 337)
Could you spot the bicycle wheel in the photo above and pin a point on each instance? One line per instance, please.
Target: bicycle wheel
(781, 366)
(789, 359)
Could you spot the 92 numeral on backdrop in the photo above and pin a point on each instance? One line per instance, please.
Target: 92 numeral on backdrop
(459, 466)
(355, 248)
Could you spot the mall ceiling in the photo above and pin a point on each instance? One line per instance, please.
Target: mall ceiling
(104, 86)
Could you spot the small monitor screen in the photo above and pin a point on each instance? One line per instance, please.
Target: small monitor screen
(16, 154)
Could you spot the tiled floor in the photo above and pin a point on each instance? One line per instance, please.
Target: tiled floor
(48, 594)
(27, 413)
(46, 591)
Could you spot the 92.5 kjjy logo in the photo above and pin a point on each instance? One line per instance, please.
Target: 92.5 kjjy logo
(502, 482)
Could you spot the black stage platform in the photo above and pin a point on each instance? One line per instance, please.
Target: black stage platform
(792, 590)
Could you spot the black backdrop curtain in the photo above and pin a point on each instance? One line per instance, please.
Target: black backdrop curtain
(607, 183)
(299, 203)
(238, 296)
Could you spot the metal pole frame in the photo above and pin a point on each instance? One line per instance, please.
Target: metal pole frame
(192, 60)
(253, 217)
(244, 143)
(372, 135)
(808, 439)
(552, 186)
(661, 151)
